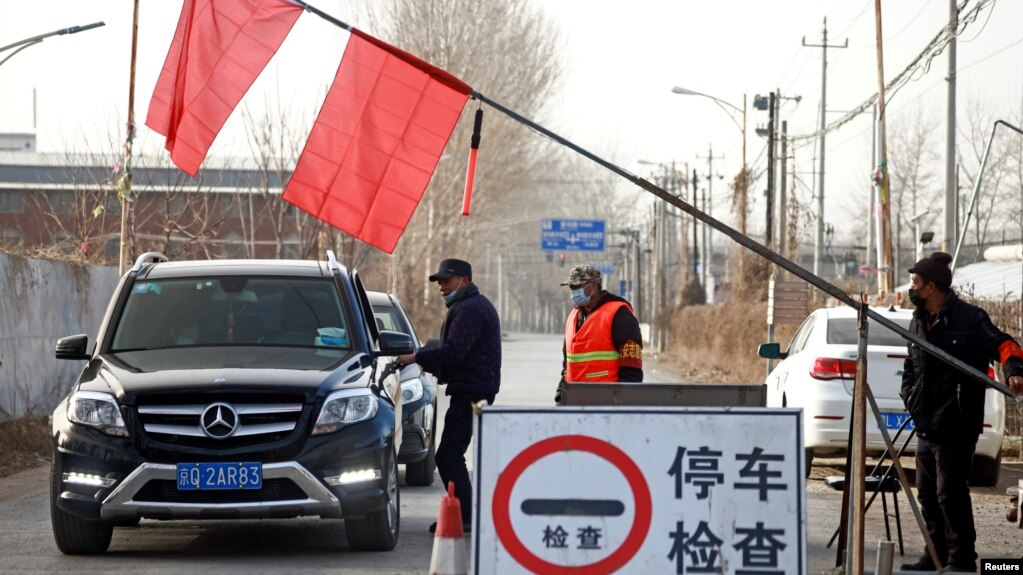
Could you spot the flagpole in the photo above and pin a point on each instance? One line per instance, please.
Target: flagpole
(735, 235)
(123, 184)
(310, 8)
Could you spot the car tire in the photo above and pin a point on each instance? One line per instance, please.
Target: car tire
(421, 473)
(378, 531)
(74, 535)
(985, 470)
(809, 461)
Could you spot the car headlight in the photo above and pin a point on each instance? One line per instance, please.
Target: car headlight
(344, 407)
(98, 410)
(411, 390)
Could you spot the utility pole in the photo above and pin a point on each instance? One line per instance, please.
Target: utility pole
(950, 134)
(772, 103)
(782, 192)
(885, 273)
(872, 227)
(124, 180)
(819, 245)
(772, 110)
(708, 198)
(696, 250)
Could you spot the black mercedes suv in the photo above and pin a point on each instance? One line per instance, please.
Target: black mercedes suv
(230, 389)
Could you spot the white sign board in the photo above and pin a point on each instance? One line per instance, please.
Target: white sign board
(599, 490)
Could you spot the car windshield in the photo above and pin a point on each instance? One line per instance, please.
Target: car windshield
(232, 311)
(842, 331)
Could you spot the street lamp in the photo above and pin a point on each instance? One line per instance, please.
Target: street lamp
(721, 104)
(22, 44)
(915, 220)
(742, 181)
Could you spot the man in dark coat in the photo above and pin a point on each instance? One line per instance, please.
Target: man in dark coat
(468, 362)
(948, 407)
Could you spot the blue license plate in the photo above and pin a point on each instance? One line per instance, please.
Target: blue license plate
(895, 420)
(246, 475)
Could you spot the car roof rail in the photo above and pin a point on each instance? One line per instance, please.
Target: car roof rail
(332, 262)
(155, 257)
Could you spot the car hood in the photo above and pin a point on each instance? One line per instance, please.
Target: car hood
(310, 372)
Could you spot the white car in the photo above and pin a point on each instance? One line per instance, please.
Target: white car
(817, 373)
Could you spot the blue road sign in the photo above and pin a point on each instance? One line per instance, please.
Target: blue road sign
(572, 235)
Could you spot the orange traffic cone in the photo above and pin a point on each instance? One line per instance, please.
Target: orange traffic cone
(448, 543)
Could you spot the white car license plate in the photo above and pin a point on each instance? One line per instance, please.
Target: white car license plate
(245, 475)
(894, 420)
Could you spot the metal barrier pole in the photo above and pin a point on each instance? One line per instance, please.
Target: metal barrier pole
(854, 555)
(904, 480)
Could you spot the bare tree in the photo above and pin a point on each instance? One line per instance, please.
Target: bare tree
(915, 165)
(508, 51)
(999, 198)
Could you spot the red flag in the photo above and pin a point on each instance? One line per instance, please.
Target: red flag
(376, 141)
(218, 50)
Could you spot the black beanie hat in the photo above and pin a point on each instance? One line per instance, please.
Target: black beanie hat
(935, 268)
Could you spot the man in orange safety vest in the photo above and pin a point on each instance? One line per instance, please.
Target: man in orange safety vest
(603, 342)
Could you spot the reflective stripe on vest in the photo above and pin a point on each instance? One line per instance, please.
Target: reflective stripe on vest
(590, 354)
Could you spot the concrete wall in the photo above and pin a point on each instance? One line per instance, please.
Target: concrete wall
(40, 302)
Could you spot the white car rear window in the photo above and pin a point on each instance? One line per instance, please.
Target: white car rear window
(842, 331)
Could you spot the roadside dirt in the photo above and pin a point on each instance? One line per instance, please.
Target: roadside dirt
(24, 443)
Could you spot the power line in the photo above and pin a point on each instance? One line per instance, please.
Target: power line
(1017, 42)
(922, 62)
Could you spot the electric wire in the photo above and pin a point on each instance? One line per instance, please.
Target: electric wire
(982, 28)
(924, 5)
(925, 91)
(922, 63)
(855, 20)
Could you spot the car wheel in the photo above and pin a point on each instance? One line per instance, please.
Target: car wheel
(985, 470)
(421, 472)
(809, 461)
(378, 531)
(74, 535)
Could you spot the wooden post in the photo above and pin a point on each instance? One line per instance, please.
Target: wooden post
(124, 182)
(885, 272)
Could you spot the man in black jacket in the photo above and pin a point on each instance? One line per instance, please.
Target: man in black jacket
(468, 362)
(948, 407)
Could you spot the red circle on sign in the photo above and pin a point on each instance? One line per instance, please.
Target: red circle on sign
(502, 505)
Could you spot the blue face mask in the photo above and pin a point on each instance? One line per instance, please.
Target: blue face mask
(451, 296)
(579, 297)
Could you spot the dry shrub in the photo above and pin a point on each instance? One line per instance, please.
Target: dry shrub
(718, 343)
(24, 443)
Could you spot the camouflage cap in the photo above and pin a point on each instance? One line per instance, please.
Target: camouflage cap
(581, 275)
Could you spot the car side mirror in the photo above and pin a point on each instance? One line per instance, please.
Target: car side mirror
(771, 351)
(72, 347)
(395, 343)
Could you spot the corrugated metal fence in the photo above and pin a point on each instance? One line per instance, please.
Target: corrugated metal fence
(40, 302)
(1006, 315)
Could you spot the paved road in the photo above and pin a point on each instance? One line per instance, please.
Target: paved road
(532, 366)
(531, 369)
